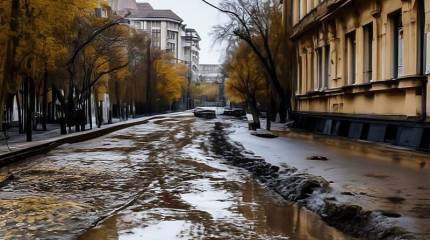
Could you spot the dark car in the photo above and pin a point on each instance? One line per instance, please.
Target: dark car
(235, 112)
(204, 113)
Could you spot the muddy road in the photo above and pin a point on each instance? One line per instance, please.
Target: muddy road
(154, 181)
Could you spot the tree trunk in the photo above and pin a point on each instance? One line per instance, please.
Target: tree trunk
(270, 112)
(45, 99)
(18, 103)
(90, 113)
(252, 103)
(100, 118)
(32, 104)
(70, 101)
(148, 81)
(283, 101)
(28, 110)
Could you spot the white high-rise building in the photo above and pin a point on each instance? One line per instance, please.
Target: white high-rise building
(167, 30)
(191, 52)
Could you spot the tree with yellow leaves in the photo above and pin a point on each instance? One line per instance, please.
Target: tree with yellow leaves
(63, 51)
(247, 81)
(205, 91)
(170, 80)
(42, 37)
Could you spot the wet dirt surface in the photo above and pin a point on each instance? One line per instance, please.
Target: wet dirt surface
(153, 181)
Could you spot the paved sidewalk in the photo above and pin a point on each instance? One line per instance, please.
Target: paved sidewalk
(16, 141)
(18, 148)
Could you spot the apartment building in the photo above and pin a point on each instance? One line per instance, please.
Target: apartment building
(164, 26)
(191, 52)
(168, 31)
(361, 68)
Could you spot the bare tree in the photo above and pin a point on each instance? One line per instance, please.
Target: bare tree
(252, 21)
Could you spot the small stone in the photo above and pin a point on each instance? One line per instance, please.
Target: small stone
(389, 214)
(317, 158)
(395, 199)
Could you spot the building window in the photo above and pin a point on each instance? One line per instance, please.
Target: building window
(422, 41)
(171, 35)
(172, 25)
(427, 53)
(156, 38)
(138, 24)
(352, 55)
(327, 72)
(301, 9)
(171, 47)
(323, 66)
(398, 39)
(320, 68)
(368, 52)
(299, 75)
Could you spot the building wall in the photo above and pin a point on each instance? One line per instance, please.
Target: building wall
(331, 80)
(427, 29)
(191, 52)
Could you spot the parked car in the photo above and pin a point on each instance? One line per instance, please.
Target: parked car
(235, 112)
(204, 113)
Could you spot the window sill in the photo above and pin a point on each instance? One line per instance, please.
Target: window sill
(406, 82)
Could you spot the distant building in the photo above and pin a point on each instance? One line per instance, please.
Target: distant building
(191, 50)
(211, 73)
(211, 83)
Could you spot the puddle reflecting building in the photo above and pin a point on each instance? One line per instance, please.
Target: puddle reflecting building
(361, 68)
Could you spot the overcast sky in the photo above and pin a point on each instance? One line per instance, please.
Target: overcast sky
(201, 17)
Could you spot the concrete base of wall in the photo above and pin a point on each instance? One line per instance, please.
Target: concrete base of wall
(410, 134)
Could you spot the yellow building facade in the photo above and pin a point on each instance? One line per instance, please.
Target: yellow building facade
(361, 67)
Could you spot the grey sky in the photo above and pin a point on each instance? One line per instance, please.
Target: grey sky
(199, 16)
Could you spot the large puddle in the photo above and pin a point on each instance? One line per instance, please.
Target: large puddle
(154, 181)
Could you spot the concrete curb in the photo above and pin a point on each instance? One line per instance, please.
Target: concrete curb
(47, 145)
